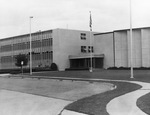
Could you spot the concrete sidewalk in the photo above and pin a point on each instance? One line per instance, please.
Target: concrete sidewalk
(126, 104)
(16, 103)
(44, 97)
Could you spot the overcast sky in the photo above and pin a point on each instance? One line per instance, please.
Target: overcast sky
(107, 15)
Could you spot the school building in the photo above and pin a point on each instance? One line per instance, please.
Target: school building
(52, 46)
(116, 47)
(74, 48)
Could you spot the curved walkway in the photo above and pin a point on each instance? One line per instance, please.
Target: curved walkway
(126, 104)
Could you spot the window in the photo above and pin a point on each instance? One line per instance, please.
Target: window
(36, 56)
(83, 49)
(23, 45)
(47, 42)
(51, 41)
(19, 46)
(44, 42)
(27, 45)
(6, 48)
(36, 44)
(6, 59)
(90, 49)
(83, 36)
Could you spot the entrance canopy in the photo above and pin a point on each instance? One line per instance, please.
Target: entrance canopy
(84, 61)
(86, 56)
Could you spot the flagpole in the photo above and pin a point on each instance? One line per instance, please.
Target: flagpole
(91, 68)
(131, 41)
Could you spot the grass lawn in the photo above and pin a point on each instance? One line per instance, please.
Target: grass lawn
(144, 104)
(96, 104)
(140, 75)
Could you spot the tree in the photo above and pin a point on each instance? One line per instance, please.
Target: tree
(21, 60)
(54, 67)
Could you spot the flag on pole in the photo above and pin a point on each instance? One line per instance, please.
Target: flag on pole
(90, 21)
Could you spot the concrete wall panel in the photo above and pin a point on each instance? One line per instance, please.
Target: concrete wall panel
(121, 49)
(145, 36)
(104, 45)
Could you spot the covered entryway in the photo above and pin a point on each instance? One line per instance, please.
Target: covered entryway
(85, 61)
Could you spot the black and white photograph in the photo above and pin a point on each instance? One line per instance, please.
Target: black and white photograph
(75, 57)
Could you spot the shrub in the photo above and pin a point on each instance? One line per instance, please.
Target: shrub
(128, 68)
(54, 67)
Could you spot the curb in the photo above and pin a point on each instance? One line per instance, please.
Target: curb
(68, 112)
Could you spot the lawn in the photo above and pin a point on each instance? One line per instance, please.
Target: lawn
(139, 75)
(96, 104)
(144, 104)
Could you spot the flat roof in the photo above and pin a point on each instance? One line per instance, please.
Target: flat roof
(24, 35)
(103, 33)
(121, 30)
(37, 32)
(133, 29)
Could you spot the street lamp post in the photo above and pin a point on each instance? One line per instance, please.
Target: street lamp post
(131, 41)
(30, 47)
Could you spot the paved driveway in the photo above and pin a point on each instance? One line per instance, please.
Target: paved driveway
(43, 97)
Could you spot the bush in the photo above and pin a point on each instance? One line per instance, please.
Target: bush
(54, 67)
(76, 69)
(119, 68)
(15, 72)
(128, 68)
